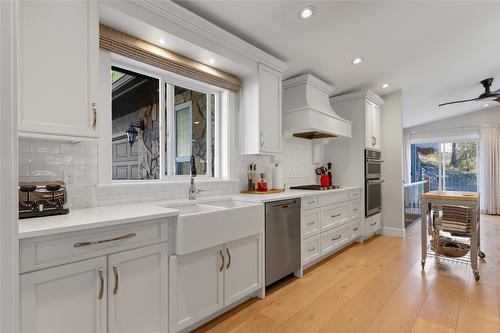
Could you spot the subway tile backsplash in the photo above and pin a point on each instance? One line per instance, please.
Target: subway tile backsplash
(46, 160)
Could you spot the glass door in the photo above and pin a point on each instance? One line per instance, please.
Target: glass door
(450, 166)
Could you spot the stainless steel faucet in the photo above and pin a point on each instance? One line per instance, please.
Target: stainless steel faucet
(192, 187)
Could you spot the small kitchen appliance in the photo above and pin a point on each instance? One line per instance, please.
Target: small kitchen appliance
(38, 199)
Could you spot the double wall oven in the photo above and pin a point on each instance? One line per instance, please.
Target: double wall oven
(373, 182)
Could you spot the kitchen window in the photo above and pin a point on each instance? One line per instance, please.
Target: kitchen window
(158, 122)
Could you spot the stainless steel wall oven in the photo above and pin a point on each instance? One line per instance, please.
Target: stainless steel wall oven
(373, 182)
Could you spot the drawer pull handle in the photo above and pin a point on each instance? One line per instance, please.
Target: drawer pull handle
(101, 282)
(355, 229)
(372, 224)
(311, 223)
(337, 215)
(355, 210)
(127, 236)
(311, 202)
(94, 115)
(117, 280)
(312, 249)
(334, 239)
(222, 264)
(229, 258)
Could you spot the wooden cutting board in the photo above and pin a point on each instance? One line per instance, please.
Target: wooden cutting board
(271, 191)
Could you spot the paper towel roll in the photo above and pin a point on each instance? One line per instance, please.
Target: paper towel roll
(277, 181)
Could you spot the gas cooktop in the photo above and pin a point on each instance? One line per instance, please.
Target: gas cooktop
(315, 187)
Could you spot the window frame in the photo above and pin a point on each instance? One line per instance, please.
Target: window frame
(167, 82)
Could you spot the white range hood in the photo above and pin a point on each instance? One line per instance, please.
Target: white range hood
(307, 110)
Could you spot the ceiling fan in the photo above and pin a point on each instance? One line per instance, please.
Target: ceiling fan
(487, 94)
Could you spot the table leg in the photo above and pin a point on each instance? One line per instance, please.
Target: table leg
(423, 228)
(474, 242)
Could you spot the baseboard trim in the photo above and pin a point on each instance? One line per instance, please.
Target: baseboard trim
(393, 232)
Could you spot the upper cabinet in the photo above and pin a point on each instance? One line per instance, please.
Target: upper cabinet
(58, 68)
(261, 112)
(372, 125)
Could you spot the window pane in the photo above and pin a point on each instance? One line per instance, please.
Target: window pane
(190, 109)
(212, 131)
(425, 163)
(460, 169)
(135, 100)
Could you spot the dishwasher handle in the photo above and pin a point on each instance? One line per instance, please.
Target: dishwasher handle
(295, 203)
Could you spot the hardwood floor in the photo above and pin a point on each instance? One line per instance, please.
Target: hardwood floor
(379, 286)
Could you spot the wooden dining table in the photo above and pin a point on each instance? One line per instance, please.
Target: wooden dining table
(434, 201)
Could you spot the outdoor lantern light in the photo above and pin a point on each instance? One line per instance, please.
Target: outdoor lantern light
(132, 132)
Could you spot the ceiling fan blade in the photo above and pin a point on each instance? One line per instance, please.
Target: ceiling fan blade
(462, 101)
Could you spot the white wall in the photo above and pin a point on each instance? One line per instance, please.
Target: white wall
(8, 177)
(296, 161)
(473, 119)
(392, 168)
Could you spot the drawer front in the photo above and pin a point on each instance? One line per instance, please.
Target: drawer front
(355, 195)
(372, 224)
(334, 198)
(356, 229)
(333, 239)
(309, 203)
(334, 216)
(310, 223)
(356, 210)
(311, 249)
(42, 252)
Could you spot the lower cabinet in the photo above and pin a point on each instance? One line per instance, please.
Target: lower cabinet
(206, 281)
(124, 292)
(67, 298)
(372, 224)
(138, 290)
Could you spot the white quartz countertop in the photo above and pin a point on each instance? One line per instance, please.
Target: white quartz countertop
(96, 217)
(289, 194)
(88, 218)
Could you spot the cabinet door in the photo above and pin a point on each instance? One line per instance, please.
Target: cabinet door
(269, 110)
(368, 124)
(58, 49)
(376, 126)
(138, 290)
(243, 273)
(198, 285)
(65, 298)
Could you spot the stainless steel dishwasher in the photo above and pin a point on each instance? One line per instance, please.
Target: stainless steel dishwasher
(282, 239)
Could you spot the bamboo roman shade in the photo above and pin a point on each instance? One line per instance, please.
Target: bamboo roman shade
(137, 49)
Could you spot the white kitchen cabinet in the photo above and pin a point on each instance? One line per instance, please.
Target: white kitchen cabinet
(138, 290)
(243, 271)
(67, 298)
(261, 112)
(58, 68)
(371, 225)
(198, 284)
(311, 223)
(372, 125)
(104, 280)
(206, 281)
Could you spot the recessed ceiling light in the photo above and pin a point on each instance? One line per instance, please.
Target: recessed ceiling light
(356, 61)
(307, 12)
(386, 85)
(211, 61)
(162, 41)
(486, 105)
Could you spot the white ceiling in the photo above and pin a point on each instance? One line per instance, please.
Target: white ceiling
(434, 51)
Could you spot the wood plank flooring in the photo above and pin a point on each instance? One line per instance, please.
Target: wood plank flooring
(378, 286)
